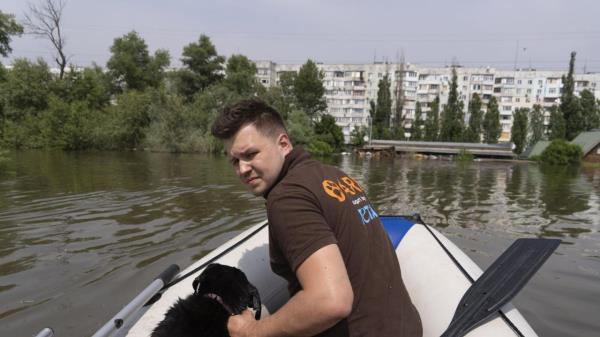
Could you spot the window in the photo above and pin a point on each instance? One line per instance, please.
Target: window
(510, 80)
(517, 99)
(529, 91)
(540, 82)
(530, 82)
(476, 87)
(518, 91)
(518, 81)
(506, 108)
(552, 91)
(465, 78)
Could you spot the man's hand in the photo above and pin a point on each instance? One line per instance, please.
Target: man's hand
(242, 325)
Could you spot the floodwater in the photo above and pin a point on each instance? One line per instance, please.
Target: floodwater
(82, 233)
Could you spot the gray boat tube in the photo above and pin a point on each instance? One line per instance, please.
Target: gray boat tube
(148, 293)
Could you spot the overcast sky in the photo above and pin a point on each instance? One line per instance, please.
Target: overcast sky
(428, 32)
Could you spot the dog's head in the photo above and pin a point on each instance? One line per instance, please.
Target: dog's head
(229, 286)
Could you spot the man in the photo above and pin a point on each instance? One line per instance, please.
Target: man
(325, 239)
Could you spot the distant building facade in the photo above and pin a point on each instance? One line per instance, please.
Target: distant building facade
(350, 87)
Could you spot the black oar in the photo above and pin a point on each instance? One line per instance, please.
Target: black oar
(500, 283)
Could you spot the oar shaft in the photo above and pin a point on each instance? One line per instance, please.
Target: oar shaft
(119, 319)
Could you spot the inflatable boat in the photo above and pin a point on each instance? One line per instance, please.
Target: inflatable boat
(452, 294)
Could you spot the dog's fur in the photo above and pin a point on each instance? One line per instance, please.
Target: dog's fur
(199, 316)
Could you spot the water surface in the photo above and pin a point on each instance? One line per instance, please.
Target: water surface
(81, 234)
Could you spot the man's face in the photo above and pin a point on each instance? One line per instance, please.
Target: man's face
(257, 158)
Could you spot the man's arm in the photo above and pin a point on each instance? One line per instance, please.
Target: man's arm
(326, 298)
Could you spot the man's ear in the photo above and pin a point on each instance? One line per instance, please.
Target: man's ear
(283, 141)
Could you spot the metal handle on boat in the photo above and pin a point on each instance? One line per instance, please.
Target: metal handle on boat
(119, 319)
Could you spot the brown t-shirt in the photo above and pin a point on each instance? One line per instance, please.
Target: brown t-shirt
(313, 205)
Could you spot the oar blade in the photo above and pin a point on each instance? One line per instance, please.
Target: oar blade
(500, 283)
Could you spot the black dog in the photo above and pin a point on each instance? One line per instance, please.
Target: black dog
(219, 292)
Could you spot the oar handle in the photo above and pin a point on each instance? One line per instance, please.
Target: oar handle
(119, 319)
(168, 274)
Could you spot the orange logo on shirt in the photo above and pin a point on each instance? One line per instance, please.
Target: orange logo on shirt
(339, 190)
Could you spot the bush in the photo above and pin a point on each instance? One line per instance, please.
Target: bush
(560, 152)
(319, 148)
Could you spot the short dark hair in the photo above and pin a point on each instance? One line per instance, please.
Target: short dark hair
(248, 111)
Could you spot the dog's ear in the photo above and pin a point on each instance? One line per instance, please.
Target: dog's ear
(196, 284)
(200, 278)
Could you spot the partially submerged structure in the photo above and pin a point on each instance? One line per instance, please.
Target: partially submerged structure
(590, 144)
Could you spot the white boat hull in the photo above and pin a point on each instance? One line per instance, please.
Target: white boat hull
(433, 280)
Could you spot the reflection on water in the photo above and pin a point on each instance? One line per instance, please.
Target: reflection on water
(80, 234)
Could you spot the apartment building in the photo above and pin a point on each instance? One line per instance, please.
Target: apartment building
(350, 87)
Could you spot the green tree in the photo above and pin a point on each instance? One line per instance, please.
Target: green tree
(131, 118)
(202, 67)
(69, 126)
(452, 115)
(90, 85)
(132, 67)
(27, 88)
(329, 132)
(432, 121)
(299, 128)
(357, 136)
(416, 130)
(491, 122)
(8, 28)
(240, 75)
(281, 96)
(557, 123)
(309, 90)
(473, 132)
(518, 131)
(569, 104)
(287, 83)
(382, 110)
(536, 125)
(589, 108)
